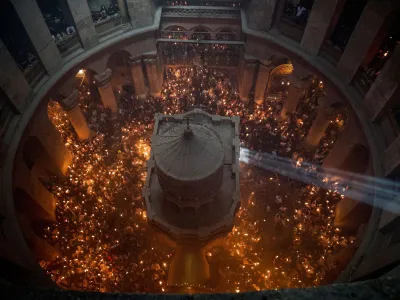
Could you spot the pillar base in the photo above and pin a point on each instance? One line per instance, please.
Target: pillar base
(259, 102)
(156, 95)
(126, 26)
(143, 97)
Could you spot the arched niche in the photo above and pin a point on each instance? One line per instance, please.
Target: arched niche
(277, 74)
(120, 64)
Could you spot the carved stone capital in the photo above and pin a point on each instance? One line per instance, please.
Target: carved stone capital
(136, 62)
(71, 101)
(103, 79)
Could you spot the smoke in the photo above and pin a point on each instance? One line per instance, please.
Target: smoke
(374, 191)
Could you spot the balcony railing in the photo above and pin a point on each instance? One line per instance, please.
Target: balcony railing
(225, 3)
(207, 53)
(201, 12)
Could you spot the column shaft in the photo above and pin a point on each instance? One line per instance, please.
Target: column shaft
(12, 81)
(323, 18)
(75, 116)
(384, 92)
(154, 76)
(124, 14)
(140, 12)
(318, 127)
(138, 78)
(261, 14)
(84, 23)
(103, 82)
(41, 249)
(52, 141)
(246, 77)
(365, 39)
(292, 100)
(261, 84)
(39, 34)
(28, 182)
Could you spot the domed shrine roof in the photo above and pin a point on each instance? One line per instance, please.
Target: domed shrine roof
(188, 152)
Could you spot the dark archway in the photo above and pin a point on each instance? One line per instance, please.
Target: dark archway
(120, 64)
(357, 160)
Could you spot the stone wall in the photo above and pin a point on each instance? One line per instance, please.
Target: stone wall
(379, 289)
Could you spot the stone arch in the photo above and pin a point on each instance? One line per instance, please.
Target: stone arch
(226, 34)
(175, 28)
(357, 160)
(174, 32)
(276, 73)
(120, 64)
(200, 33)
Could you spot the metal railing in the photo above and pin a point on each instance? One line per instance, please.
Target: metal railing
(225, 3)
(201, 12)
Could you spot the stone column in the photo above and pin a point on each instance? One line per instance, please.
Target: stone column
(33, 191)
(140, 12)
(296, 91)
(84, 23)
(260, 14)
(138, 78)
(366, 38)
(126, 25)
(103, 82)
(154, 76)
(247, 70)
(75, 116)
(40, 248)
(384, 92)
(349, 137)
(52, 141)
(12, 81)
(261, 83)
(39, 34)
(323, 18)
(189, 267)
(319, 126)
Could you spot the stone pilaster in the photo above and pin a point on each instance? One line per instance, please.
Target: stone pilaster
(138, 78)
(247, 71)
(260, 14)
(126, 25)
(261, 83)
(39, 34)
(75, 116)
(154, 75)
(366, 38)
(296, 91)
(319, 126)
(40, 248)
(84, 23)
(347, 139)
(103, 82)
(52, 141)
(141, 12)
(323, 18)
(385, 91)
(12, 81)
(33, 191)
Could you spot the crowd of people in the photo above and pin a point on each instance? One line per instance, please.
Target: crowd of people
(105, 12)
(211, 55)
(283, 234)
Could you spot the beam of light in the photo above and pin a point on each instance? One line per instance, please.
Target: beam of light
(374, 191)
